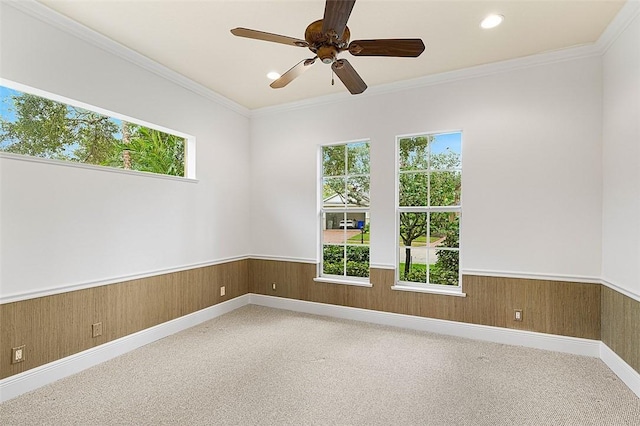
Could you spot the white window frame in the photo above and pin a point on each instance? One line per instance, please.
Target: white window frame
(330, 278)
(415, 286)
(190, 141)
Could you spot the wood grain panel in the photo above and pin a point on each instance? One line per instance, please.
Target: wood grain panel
(574, 309)
(564, 308)
(484, 303)
(57, 326)
(621, 326)
(293, 279)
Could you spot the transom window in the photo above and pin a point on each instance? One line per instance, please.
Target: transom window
(428, 210)
(344, 218)
(48, 127)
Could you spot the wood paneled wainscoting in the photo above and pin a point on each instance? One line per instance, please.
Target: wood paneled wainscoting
(554, 307)
(57, 326)
(621, 326)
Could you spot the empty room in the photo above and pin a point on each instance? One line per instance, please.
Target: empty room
(319, 212)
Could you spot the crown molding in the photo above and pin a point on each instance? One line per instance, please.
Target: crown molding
(562, 55)
(630, 10)
(51, 17)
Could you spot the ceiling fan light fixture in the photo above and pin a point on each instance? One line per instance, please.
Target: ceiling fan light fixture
(327, 54)
(273, 75)
(491, 21)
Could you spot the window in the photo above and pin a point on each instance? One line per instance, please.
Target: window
(345, 211)
(39, 126)
(428, 211)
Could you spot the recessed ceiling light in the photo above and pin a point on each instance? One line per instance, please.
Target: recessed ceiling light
(491, 21)
(273, 75)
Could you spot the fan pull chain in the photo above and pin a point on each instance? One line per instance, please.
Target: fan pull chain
(332, 81)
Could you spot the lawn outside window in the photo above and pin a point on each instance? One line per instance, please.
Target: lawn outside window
(344, 213)
(429, 182)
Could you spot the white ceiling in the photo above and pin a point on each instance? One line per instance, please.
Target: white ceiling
(192, 37)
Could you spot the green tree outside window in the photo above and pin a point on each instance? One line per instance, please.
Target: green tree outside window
(429, 188)
(39, 127)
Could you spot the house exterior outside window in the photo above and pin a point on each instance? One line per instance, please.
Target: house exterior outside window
(344, 215)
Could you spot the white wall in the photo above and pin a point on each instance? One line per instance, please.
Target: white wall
(532, 185)
(621, 161)
(531, 167)
(64, 226)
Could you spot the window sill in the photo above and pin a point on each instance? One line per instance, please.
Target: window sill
(445, 292)
(343, 281)
(20, 157)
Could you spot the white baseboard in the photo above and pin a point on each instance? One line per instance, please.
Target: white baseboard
(37, 377)
(628, 375)
(18, 384)
(552, 342)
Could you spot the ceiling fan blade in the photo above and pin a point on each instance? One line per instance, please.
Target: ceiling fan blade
(349, 77)
(398, 47)
(336, 15)
(293, 73)
(261, 35)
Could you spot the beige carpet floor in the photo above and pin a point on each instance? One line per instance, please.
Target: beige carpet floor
(262, 366)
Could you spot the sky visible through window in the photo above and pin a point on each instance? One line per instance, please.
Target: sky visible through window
(6, 110)
(442, 142)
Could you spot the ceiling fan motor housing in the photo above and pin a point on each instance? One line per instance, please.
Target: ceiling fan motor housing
(325, 45)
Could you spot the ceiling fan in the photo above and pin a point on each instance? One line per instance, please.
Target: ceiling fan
(329, 36)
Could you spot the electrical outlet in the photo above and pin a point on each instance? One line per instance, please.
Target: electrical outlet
(517, 315)
(223, 291)
(273, 286)
(96, 329)
(17, 354)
